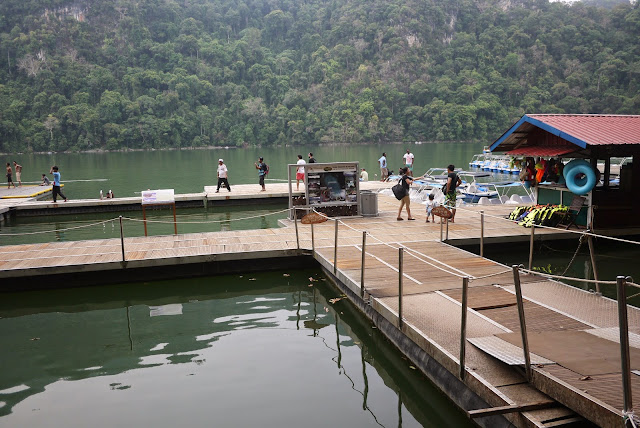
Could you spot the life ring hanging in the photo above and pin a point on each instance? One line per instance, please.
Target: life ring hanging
(580, 178)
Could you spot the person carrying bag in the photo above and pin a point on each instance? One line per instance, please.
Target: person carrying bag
(404, 183)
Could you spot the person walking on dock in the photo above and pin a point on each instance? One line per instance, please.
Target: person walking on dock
(222, 176)
(406, 181)
(453, 181)
(56, 184)
(300, 171)
(18, 173)
(408, 162)
(311, 158)
(9, 177)
(263, 170)
(384, 171)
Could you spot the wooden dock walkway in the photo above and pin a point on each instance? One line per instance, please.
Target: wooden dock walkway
(580, 369)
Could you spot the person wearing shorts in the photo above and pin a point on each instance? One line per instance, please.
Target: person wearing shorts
(18, 173)
(453, 181)
(408, 162)
(300, 171)
(384, 171)
(9, 177)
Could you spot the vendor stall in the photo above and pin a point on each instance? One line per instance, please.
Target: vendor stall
(582, 148)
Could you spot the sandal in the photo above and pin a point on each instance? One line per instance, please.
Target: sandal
(411, 218)
(399, 218)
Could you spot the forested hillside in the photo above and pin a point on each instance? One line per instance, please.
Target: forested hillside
(125, 74)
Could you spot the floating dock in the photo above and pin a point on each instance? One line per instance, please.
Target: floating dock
(575, 354)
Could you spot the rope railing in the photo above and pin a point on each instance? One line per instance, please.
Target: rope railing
(595, 235)
(207, 221)
(59, 230)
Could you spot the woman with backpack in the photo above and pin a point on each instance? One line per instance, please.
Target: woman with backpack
(263, 170)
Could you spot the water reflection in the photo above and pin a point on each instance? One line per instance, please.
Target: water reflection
(208, 339)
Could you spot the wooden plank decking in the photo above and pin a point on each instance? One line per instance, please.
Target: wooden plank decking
(433, 274)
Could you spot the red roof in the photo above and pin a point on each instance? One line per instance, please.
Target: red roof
(595, 129)
(542, 151)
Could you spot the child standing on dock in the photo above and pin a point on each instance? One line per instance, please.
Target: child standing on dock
(431, 204)
(9, 178)
(56, 184)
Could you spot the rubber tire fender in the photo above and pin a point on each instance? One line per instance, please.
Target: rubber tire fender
(584, 185)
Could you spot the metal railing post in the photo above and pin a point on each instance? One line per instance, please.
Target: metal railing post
(523, 324)
(623, 326)
(463, 327)
(481, 233)
(295, 222)
(446, 235)
(335, 250)
(122, 239)
(533, 231)
(364, 250)
(400, 272)
(441, 227)
(313, 241)
(592, 254)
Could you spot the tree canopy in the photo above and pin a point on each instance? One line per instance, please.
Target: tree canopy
(142, 74)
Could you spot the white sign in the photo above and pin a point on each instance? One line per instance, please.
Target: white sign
(161, 196)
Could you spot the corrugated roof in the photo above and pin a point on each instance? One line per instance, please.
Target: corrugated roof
(541, 151)
(595, 129)
(570, 130)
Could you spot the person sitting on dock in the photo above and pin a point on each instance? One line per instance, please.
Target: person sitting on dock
(222, 176)
(9, 177)
(364, 175)
(45, 181)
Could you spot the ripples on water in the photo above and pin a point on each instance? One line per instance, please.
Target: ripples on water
(253, 350)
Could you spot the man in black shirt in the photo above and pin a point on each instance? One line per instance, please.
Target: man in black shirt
(453, 181)
(311, 158)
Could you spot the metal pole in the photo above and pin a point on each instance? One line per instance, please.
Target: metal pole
(335, 250)
(364, 249)
(463, 327)
(446, 238)
(295, 222)
(481, 233)
(175, 221)
(523, 324)
(623, 325)
(313, 240)
(533, 231)
(400, 270)
(122, 240)
(592, 254)
(441, 228)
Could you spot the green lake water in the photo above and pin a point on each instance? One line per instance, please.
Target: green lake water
(264, 350)
(188, 171)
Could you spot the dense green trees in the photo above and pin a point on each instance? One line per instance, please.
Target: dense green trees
(118, 74)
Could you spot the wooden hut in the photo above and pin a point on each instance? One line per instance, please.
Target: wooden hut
(611, 143)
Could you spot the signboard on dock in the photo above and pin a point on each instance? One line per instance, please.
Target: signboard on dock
(158, 197)
(331, 184)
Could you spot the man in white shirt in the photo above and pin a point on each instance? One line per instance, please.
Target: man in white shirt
(384, 171)
(222, 175)
(408, 162)
(300, 171)
(364, 175)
